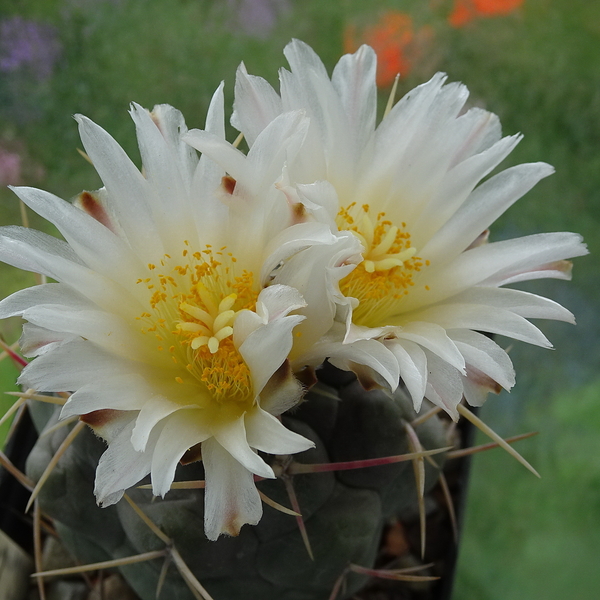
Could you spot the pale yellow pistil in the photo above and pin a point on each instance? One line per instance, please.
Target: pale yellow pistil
(212, 326)
(388, 269)
(384, 255)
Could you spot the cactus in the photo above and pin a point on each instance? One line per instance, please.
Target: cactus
(343, 511)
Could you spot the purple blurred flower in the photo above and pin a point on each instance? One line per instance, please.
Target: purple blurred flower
(28, 45)
(10, 168)
(257, 17)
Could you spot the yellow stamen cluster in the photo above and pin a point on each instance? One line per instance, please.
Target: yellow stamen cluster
(389, 267)
(193, 306)
(224, 373)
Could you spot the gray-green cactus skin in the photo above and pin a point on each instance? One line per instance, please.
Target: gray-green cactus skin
(344, 511)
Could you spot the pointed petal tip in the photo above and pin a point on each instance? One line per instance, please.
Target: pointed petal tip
(135, 107)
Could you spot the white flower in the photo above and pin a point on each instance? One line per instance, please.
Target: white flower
(409, 190)
(168, 321)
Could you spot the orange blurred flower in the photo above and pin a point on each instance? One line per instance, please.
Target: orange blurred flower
(466, 10)
(395, 41)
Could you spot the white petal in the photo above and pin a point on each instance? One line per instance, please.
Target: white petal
(278, 301)
(210, 214)
(413, 368)
(232, 436)
(303, 58)
(40, 253)
(129, 193)
(221, 152)
(282, 392)
(455, 189)
(27, 248)
(180, 432)
(165, 175)
(256, 104)
(444, 385)
(299, 237)
(480, 130)
(485, 355)
(350, 357)
(277, 143)
(266, 348)
(231, 498)
(559, 269)
(519, 302)
(37, 340)
(354, 80)
(491, 264)
(107, 330)
(267, 434)
(475, 394)
(71, 366)
(246, 321)
(154, 410)
(315, 272)
(47, 293)
(97, 246)
(172, 125)
(429, 334)
(406, 116)
(482, 208)
(124, 392)
(321, 199)
(330, 136)
(485, 318)
(120, 467)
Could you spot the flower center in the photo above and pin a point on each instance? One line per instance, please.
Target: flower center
(389, 267)
(193, 306)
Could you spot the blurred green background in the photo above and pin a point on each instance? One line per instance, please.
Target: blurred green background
(533, 62)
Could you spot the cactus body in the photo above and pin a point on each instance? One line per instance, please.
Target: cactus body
(344, 511)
